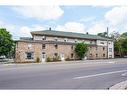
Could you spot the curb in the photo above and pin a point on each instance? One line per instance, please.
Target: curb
(119, 86)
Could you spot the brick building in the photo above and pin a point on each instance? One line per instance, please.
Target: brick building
(49, 44)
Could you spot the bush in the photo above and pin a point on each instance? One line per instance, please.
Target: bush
(37, 59)
(68, 59)
(48, 59)
(56, 58)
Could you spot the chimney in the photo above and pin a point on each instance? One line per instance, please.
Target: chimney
(50, 28)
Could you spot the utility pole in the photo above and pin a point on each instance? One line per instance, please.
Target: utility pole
(107, 40)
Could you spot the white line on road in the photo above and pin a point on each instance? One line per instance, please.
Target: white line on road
(88, 76)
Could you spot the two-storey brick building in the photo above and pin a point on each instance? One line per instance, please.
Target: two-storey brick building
(50, 44)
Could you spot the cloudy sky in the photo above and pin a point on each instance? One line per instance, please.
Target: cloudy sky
(20, 20)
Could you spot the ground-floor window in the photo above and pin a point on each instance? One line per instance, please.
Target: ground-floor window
(96, 55)
(72, 55)
(103, 55)
(29, 55)
(55, 54)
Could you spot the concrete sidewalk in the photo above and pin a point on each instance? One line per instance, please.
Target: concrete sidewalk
(119, 86)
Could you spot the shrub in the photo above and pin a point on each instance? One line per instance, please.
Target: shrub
(37, 59)
(56, 58)
(48, 59)
(68, 59)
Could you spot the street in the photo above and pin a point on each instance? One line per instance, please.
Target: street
(89, 74)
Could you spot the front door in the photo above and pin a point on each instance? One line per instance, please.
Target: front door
(62, 56)
(43, 57)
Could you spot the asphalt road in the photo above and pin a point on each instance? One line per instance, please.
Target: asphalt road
(98, 74)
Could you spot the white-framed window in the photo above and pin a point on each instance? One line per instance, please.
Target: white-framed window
(43, 37)
(43, 46)
(110, 49)
(29, 46)
(56, 39)
(65, 40)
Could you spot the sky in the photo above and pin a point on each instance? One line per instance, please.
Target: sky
(21, 20)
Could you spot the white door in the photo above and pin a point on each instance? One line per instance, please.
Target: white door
(43, 56)
(62, 56)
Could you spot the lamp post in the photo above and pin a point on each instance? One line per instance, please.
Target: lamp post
(107, 41)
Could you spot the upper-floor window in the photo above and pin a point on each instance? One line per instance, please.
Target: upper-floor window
(110, 49)
(101, 42)
(43, 37)
(56, 39)
(56, 46)
(43, 46)
(76, 40)
(90, 42)
(96, 48)
(29, 55)
(103, 48)
(72, 47)
(65, 40)
(29, 46)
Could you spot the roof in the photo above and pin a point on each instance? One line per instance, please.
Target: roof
(25, 38)
(68, 34)
(50, 42)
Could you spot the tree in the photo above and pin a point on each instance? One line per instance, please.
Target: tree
(81, 49)
(104, 34)
(6, 42)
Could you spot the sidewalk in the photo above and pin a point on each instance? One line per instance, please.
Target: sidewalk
(119, 86)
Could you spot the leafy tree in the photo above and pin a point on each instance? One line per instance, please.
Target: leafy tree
(115, 35)
(124, 46)
(104, 34)
(6, 42)
(81, 49)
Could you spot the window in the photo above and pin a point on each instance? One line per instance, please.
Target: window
(90, 42)
(29, 55)
(65, 40)
(29, 46)
(96, 48)
(72, 55)
(103, 55)
(55, 54)
(103, 48)
(101, 42)
(56, 39)
(110, 49)
(43, 46)
(43, 38)
(56, 46)
(96, 55)
(90, 54)
(72, 47)
(43, 55)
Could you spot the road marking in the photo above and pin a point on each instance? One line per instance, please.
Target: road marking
(88, 76)
(124, 74)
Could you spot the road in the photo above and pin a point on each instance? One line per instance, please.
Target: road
(98, 74)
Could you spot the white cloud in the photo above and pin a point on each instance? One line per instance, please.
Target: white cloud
(97, 28)
(101, 26)
(87, 19)
(40, 12)
(25, 31)
(118, 15)
(72, 27)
